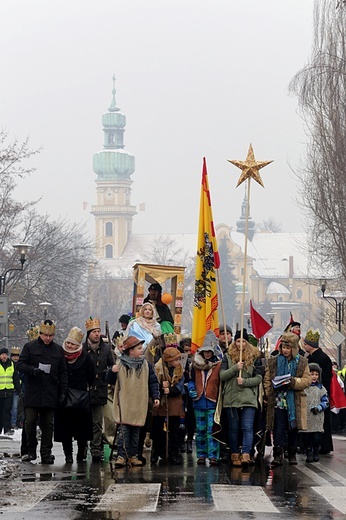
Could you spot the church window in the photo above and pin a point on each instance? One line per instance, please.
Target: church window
(299, 294)
(111, 139)
(109, 229)
(109, 251)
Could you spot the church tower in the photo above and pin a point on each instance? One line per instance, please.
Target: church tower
(113, 167)
(241, 223)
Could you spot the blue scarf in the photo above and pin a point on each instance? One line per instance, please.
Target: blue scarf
(289, 367)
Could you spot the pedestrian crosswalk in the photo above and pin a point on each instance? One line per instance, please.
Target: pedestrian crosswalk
(130, 497)
(252, 499)
(24, 496)
(332, 489)
(319, 487)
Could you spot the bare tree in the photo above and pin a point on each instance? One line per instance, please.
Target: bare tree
(12, 156)
(56, 272)
(61, 253)
(270, 225)
(321, 89)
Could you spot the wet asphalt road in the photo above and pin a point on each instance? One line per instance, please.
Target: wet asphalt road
(95, 492)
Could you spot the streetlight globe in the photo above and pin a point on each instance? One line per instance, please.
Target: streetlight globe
(22, 250)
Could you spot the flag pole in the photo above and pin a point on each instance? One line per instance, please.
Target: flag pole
(244, 270)
(221, 303)
(250, 169)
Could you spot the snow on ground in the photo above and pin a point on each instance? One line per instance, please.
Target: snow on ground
(9, 452)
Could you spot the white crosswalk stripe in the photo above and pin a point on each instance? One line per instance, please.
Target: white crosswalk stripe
(129, 498)
(244, 498)
(335, 495)
(26, 496)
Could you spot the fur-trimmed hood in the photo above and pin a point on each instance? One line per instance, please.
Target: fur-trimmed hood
(292, 340)
(199, 363)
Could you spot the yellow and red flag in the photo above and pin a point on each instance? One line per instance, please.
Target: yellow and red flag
(205, 315)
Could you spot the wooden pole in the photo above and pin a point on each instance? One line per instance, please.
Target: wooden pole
(244, 269)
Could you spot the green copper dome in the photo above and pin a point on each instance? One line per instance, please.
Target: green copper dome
(113, 162)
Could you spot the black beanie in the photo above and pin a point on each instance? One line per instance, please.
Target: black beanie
(245, 335)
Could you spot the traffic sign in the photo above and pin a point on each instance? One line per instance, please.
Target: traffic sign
(3, 309)
(337, 338)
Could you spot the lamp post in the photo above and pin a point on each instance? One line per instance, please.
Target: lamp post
(22, 249)
(337, 301)
(45, 306)
(17, 307)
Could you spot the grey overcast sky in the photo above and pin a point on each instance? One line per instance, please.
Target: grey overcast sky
(194, 78)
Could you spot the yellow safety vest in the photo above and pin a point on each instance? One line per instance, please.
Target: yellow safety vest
(6, 377)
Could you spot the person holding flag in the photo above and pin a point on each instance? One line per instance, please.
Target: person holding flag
(240, 393)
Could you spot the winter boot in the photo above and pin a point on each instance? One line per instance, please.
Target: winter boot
(188, 446)
(292, 459)
(309, 456)
(235, 459)
(315, 451)
(245, 459)
(278, 456)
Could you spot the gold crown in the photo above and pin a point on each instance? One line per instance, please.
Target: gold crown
(92, 323)
(33, 333)
(75, 336)
(313, 335)
(15, 351)
(45, 328)
(171, 339)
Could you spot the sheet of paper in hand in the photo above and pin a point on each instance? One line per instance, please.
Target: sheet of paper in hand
(281, 380)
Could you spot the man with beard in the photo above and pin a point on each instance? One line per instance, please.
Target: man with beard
(102, 357)
(225, 337)
(43, 364)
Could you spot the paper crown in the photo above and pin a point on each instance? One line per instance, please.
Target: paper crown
(47, 328)
(75, 336)
(92, 323)
(33, 333)
(312, 337)
(15, 351)
(171, 339)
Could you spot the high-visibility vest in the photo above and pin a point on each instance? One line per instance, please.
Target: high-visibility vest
(6, 377)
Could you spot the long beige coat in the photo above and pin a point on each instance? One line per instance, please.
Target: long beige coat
(301, 381)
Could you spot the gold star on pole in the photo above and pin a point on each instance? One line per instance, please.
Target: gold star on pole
(250, 168)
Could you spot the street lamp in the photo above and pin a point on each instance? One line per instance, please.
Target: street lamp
(18, 307)
(23, 251)
(45, 306)
(337, 301)
(271, 317)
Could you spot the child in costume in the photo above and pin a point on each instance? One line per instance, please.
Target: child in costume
(135, 381)
(317, 402)
(170, 374)
(203, 389)
(286, 403)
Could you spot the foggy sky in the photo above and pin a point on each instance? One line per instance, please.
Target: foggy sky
(195, 78)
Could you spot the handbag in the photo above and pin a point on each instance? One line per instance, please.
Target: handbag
(78, 399)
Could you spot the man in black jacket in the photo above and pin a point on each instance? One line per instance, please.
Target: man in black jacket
(44, 367)
(102, 357)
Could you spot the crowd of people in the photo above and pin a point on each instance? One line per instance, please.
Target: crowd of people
(146, 388)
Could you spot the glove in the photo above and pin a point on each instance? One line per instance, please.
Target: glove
(37, 372)
(315, 410)
(62, 400)
(193, 394)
